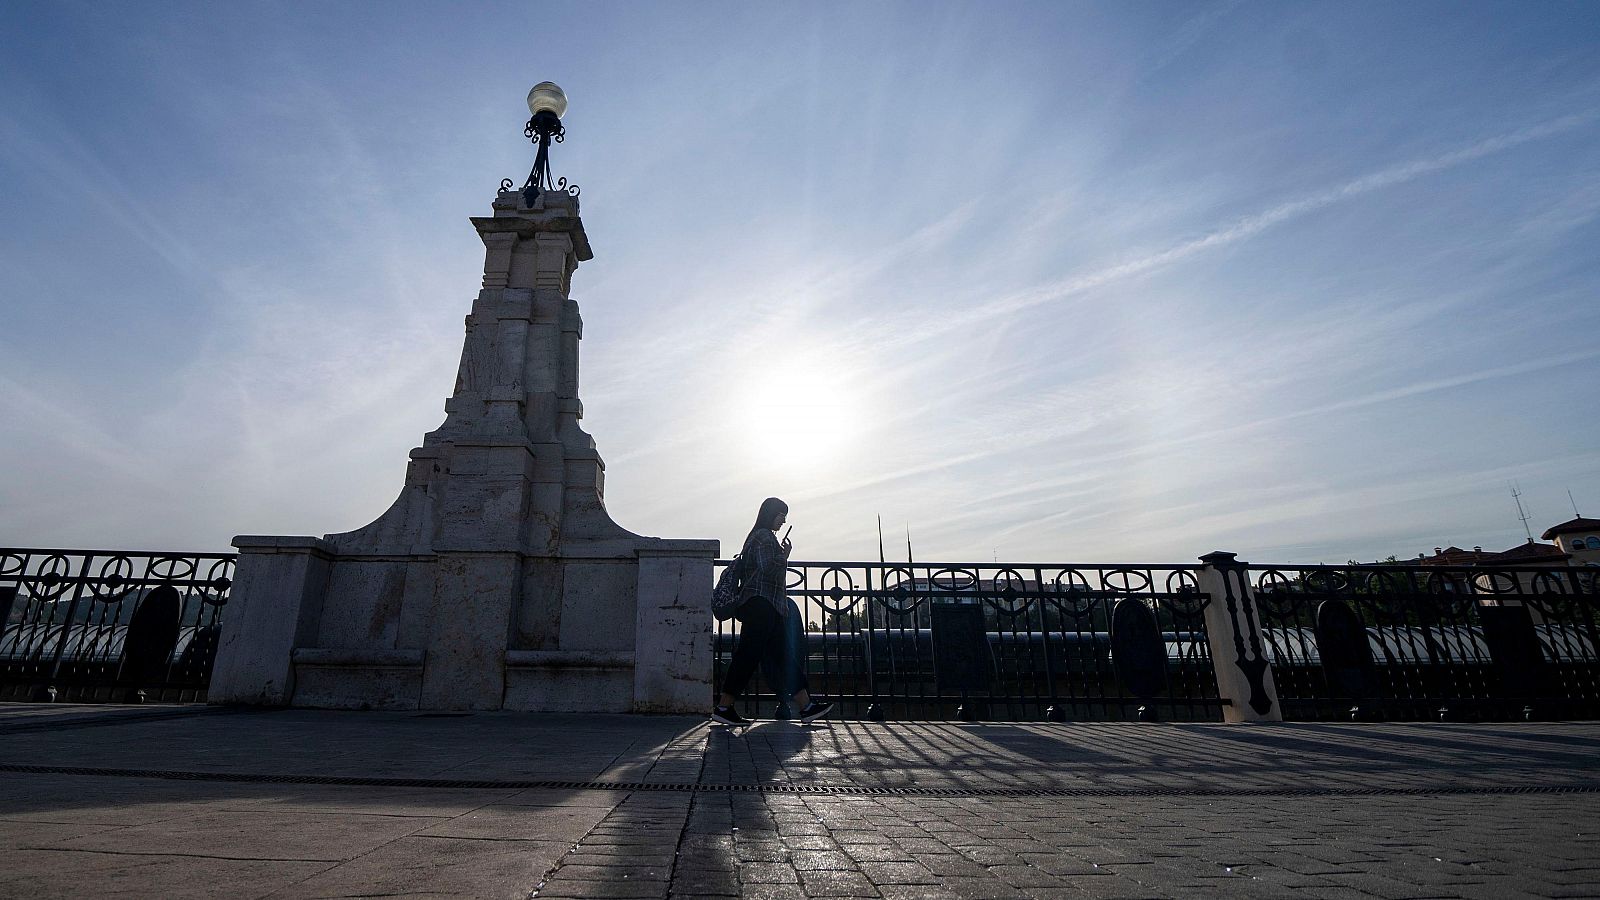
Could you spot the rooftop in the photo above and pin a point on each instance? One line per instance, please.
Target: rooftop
(1577, 524)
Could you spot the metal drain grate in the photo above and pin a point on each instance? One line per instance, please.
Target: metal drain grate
(834, 789)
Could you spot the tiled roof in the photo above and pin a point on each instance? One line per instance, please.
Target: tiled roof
(1571, 525)
(1531, 552)
(1452, 556)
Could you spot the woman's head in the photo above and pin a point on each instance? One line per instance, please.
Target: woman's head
(773, 512)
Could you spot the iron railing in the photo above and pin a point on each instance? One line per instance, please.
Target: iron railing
(1424, 642)
(107, 625)
(888, 640)
(950, 640)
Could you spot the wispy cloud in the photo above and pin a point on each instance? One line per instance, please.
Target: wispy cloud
(1107, 302)
(916, 329)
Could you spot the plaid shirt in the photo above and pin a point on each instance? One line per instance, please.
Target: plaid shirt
(766, 571)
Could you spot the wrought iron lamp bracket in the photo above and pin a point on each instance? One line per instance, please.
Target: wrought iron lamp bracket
(543, 129)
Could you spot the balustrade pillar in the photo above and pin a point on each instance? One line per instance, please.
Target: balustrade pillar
(1238, 652)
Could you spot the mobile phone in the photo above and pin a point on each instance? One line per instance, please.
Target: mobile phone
(786, 532)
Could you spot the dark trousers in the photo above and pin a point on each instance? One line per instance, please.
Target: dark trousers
(768, 640)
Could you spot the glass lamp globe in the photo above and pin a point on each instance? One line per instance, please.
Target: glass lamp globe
(547, 96)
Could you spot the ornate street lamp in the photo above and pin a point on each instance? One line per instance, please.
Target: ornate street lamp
(548, 103)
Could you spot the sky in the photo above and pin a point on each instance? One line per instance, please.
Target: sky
(1085, 282)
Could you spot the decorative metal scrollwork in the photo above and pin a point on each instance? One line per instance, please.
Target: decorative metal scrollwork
(1385, 582)
(1272, 580)
(53, 578)
(220, 578)
(1444, 583)
(1383, 608)
(1007, 588)
(1187, 605)
(1325, 581)
(1493, 582)
(1279, 594)
(1184, 599)
(900, 596)
(1071, 594)
(114, 573)
(170, 568)
(1449, 594)
(533, 132)
(543, 129)
(837, 586)
(1548, 583)
(1125, 581)
(953, 581)
(1180, 580)
(75, 612)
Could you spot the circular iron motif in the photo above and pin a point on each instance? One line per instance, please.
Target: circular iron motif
(837, 585)
(899, 595)
(170, 568)
(1003, 597)
(1125, 581)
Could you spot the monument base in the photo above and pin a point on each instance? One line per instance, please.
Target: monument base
(638, 629)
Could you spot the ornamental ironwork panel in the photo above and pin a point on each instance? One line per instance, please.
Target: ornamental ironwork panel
(100, 625)
(872, 642)
(1440, 643)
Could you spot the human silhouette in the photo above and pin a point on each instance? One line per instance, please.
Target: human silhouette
(763, 616)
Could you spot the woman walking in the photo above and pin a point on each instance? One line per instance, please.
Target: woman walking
(762, 618)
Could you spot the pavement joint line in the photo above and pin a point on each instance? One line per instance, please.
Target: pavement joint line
(804, 789)
(700, 774)
(105, 719)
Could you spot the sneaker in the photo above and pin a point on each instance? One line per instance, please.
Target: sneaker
(727, 715)
(814, 711)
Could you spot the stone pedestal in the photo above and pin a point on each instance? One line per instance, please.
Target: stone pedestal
(497, 580)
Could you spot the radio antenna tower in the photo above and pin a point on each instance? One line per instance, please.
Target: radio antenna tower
(1521, 514)
(1574, 504)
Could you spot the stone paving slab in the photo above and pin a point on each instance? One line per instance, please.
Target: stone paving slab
(484, 746)
(1296, 810)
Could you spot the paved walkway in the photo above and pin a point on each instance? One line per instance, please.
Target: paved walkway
(178, 801)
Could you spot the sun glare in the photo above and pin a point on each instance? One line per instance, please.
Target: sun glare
(800, 414)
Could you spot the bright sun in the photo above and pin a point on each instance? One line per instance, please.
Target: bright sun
(798, 414)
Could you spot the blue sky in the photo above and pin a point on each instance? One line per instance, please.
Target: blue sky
(1093, 282)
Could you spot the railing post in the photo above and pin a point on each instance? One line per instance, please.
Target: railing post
(673, 652)
(1233, 628)
(275, 606)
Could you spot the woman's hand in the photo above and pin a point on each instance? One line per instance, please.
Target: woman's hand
(786, 547)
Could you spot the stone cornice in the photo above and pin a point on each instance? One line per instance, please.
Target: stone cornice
(527, 228)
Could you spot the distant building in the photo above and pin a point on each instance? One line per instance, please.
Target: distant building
(1579, 537)
(1531, 553)
(1575, 543)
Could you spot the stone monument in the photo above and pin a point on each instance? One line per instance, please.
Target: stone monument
(497, 580)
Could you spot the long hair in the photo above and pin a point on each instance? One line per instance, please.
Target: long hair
(771, 509)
